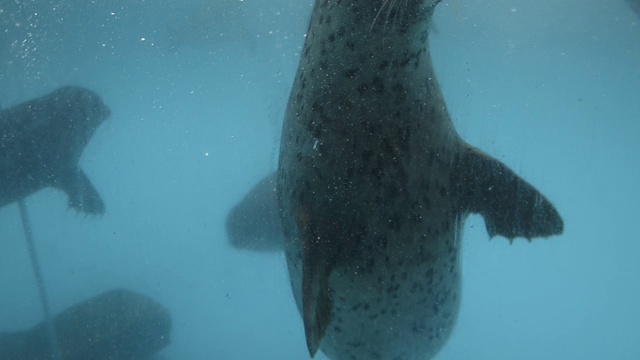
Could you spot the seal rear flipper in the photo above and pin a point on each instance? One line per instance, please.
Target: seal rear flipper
(511, 207)
(316, 298)
(254, 223)
(316, 301)
(83, 197)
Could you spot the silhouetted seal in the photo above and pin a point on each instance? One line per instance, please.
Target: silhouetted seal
(118, 324)
(41, 141)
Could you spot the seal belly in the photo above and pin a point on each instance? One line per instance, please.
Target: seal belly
(403, 309)
(397, 298)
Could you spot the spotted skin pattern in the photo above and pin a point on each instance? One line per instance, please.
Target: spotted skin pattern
(374, 184)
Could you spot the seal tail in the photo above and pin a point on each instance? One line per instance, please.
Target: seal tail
(511, 207)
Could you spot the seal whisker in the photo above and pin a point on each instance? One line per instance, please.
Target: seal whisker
(386, 21)
(406, 6)
(373, 23)
(395, 15)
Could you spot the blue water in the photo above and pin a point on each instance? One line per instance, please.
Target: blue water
(197, 93)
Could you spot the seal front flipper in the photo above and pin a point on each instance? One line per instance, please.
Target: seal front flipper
(511, 207)
(254, 223)
(83, 196)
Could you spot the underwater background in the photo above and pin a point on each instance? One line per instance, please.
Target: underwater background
(197, 91)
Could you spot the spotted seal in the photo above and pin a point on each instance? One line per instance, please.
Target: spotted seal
(374, 183)
(41, 142)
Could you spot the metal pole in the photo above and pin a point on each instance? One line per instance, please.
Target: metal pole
(35, 264)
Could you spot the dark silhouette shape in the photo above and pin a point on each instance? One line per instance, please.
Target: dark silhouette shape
(116, 325)
(41, 142)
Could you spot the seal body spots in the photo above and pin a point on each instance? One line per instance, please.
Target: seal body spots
(374, 183)
(41, 142)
